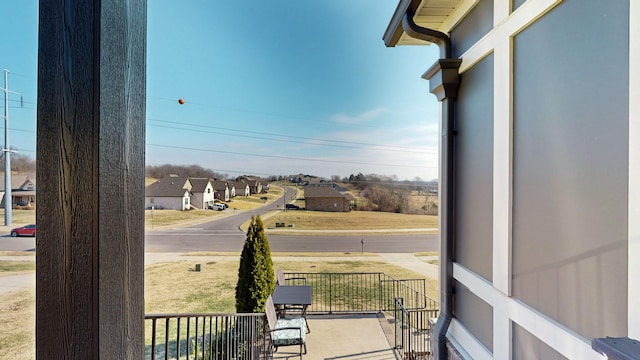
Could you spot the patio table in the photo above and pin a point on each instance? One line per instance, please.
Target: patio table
(293, 295)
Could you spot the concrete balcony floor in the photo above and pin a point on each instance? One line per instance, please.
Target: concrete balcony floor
(348, 337)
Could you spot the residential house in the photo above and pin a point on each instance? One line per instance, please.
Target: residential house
(265, 184)
(221, 188)
(540, 190)
(202, 193)
(254, 184)
(170, 192)
(303, 180)
(232, 189)
(241, 188)
(23, 190)
(326, 198)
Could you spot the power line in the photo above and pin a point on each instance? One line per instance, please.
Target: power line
(288, 157)
(290, 141)
(264, 113)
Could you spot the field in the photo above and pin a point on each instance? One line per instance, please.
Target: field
(351, 221)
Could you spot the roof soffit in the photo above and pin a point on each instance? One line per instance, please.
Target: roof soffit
(441, 15)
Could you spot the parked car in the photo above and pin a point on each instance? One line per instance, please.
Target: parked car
(27, 230)
(292, 207)
(218, 206)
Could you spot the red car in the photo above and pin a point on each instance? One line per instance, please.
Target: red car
(27, 230)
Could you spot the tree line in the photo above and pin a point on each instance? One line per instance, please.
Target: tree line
(196, 171)
(388, 194)
(20, 163)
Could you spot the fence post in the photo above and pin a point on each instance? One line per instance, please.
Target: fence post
(330, 295)
(380, 292)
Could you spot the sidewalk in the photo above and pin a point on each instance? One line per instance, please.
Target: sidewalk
(411, 262)
(17, 282)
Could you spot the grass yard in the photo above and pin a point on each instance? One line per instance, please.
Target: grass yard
(171, 288)
(17, 334)
(175, 287)
(162, 218)
(16, 267)
(354, 220)
(21, 217)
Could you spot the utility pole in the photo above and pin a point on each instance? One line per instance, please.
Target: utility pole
(8, 200)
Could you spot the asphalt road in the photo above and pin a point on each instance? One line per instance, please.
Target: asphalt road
(224, 235)
(200, 240)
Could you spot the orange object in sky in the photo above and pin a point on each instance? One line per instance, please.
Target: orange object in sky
(181, 101)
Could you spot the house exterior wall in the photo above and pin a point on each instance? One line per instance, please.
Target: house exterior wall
(527, 346)
(327, 204)
(553, 266)
(568, 148)
(202, 200)
(222, 195)
(473, 27)
(474, 159)
(171, 203)
(197, 200)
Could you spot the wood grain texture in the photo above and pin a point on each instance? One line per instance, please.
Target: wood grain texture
(90, 168)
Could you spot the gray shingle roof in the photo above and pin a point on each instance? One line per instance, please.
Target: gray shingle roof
(199, 185)
(170, 186)
(219, 185)
(321, 192)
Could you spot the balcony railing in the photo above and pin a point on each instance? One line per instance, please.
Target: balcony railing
(353, 293)
(242, 336)
(205, 336)
(413, 330)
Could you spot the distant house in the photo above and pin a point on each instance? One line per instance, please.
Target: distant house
(265, 184)
(23, 190)
(232, 189)
(254, 184)
(296, 178)
(241, 188)
(170, 192)
(303, 180)
(202, 193)
(326, 198)
(221, 188)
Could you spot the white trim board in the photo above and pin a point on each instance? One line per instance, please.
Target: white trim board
(563, 340)
(467, 342)
(633, 302)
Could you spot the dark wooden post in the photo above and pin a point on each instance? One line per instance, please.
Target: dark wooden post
(90, 171)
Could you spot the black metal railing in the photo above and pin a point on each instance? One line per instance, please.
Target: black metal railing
(359, 292)
(205, 336)
(413, 330)
(242, 336)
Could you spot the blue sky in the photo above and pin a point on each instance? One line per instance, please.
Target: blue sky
(276, 87)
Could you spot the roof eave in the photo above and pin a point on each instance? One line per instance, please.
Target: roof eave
(394, 30)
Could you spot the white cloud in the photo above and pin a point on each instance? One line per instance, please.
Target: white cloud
(360, 118)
